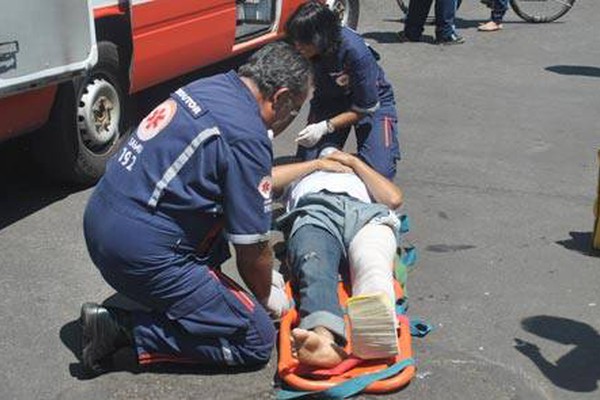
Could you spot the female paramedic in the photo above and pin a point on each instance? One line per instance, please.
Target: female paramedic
(350, 90)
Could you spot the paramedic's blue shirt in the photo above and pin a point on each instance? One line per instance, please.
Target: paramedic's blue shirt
(200, 160)
(352, 77)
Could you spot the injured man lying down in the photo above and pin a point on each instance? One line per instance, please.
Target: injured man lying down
(340, 212)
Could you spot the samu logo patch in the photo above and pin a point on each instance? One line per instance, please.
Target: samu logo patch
(157, 120)
(265, 187)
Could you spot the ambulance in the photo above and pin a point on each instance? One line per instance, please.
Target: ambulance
(69, 68)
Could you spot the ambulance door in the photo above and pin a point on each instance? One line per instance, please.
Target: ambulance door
(173, 37)
(44, 42)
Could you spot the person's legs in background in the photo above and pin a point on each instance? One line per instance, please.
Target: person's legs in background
(499, 8)
(445, 31)
(415, 20)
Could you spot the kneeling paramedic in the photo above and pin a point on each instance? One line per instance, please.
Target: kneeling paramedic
(194, 175)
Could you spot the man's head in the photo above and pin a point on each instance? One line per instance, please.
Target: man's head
(283, 79)
(327, 151)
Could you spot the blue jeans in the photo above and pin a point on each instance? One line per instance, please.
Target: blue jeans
(500, 8)
(314, 256)
(445, 11)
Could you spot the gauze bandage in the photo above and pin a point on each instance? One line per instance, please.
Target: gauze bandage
(371, 307)
(371, 255)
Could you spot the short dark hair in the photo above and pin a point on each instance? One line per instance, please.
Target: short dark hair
(278, 65)
(314, 23)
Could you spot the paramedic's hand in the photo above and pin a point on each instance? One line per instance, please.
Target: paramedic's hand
(310, 135)
(277, 303)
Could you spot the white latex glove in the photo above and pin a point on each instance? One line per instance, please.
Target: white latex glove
(277, 280)
(310, 135)
(277, 303)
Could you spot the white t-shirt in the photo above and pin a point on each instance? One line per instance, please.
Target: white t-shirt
(333, 182)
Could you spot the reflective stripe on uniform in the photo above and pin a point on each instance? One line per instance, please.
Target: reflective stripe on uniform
(248, 239)
(179, 163)
(369, 110)
(227, 353)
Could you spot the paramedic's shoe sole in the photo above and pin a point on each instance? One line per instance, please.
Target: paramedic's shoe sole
(103, 335)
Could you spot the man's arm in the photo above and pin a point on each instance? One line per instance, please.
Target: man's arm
(283, 175)
(345, 119)
(383, 190)
(254, 263)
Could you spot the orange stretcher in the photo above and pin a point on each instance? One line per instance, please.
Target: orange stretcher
(301, 377)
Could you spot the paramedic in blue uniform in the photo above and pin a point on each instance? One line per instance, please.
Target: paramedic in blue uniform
(195, 175)
(350, 91)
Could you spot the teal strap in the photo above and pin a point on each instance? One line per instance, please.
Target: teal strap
(409, 256)
(404, 223)
(401, 306)
(349, 387)
(419, 328)
(400, 270)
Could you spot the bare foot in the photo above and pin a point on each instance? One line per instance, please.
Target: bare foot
(317, 348)
(489, 26)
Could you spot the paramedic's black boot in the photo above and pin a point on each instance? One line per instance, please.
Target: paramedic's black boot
(105, 330)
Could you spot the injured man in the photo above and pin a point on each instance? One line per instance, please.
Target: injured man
(340, 211)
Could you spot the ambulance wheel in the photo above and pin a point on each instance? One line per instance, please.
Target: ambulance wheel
(347, 10)
(88, 122)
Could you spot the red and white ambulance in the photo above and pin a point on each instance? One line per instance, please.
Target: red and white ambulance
(135, 44)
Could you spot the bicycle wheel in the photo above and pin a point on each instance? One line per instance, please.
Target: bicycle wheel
(403, 6)
(539, 11)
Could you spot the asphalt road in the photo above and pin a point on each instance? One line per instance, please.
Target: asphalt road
(499, 137)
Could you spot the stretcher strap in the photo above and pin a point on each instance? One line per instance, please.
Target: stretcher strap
(409, 256)
(418, 327)
(350, 387)
(344, 366)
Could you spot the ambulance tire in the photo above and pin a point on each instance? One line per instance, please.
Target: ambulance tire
(348, 10)
(88, 122)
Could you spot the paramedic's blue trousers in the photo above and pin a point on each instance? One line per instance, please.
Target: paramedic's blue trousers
(197, 316)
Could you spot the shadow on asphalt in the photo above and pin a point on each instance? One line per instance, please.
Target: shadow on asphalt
(580, 242)
(25, 189)
(458, 22)
(125, 360)
(578, 370)
(392, 37)
(467, 23)
(580, 70)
